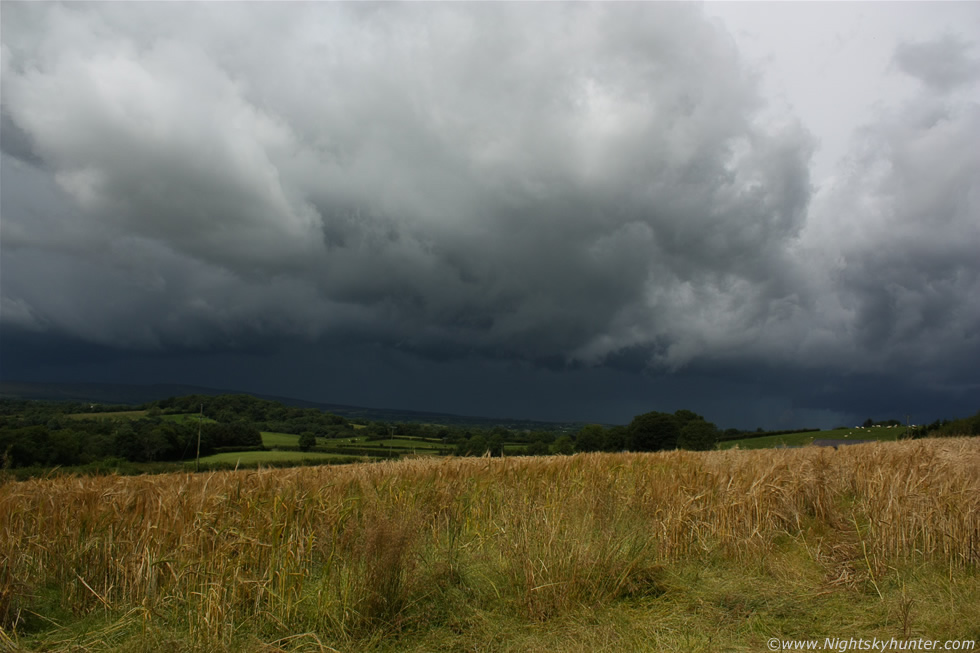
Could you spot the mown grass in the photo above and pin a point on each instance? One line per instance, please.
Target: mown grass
(676, 551)
(271, 439)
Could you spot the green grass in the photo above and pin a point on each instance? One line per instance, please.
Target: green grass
(403, 443)
(400, 445)
(254, 457)
(272, 439)
(882, 434)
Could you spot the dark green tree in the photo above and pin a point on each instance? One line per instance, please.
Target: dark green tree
(564, 446)
(698, 435)
(307, 440)
(590, 438)
(495, 444)
(617, 439)
(653, 432)
(537, 448)
(683, 416)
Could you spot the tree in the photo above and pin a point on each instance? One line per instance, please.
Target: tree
(564, 446)
(495, 444)
(653, 432)
(684, 416)
(537, 448)
(307, 441)
(473, 446)
(698, 435)
(591, 438)
(617, 439)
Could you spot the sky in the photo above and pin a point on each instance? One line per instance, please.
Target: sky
(768, 213)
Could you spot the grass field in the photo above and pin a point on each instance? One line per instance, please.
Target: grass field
(271, 439)
(882, 434)
(674, 551)
(254, 457)
(402, 443)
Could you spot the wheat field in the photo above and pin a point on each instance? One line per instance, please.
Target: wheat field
(341, 558)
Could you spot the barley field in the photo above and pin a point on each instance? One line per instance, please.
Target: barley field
(685, 551)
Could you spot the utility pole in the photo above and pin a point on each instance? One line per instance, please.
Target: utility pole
(200, 417)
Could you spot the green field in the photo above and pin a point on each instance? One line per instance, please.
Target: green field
(255, 457)
(402, 443)
(271, 439)
(883, 434)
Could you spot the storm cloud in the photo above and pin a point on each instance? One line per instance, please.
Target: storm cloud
(569, 186)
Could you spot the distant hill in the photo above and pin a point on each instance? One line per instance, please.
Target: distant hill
(136, 394)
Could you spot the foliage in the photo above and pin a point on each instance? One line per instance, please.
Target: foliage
(950, 428)
(590, 438)
(698, 435)
(307, 440)
(653, 431)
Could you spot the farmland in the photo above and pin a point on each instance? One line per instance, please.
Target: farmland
(670, 551)
(249, 458)
(807, 438)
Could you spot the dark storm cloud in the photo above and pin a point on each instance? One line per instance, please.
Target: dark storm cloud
(567, 184)
(538, 181)
(16, 142)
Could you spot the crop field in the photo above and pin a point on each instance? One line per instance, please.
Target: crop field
(672, 551)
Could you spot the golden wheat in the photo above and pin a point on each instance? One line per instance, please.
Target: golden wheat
(340, 551)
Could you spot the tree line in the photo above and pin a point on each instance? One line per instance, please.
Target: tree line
(46, 434)
(62, 441)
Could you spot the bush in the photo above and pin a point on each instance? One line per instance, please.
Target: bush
(307, 441)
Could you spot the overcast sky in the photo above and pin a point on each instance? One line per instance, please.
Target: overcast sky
(766, 213)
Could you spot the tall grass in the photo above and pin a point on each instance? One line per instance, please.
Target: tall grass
(343, 554)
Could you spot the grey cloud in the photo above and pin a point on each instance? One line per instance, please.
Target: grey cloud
(16, 142)
(538, 181)
(565, 184)
(942, 65)
(899, 236)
